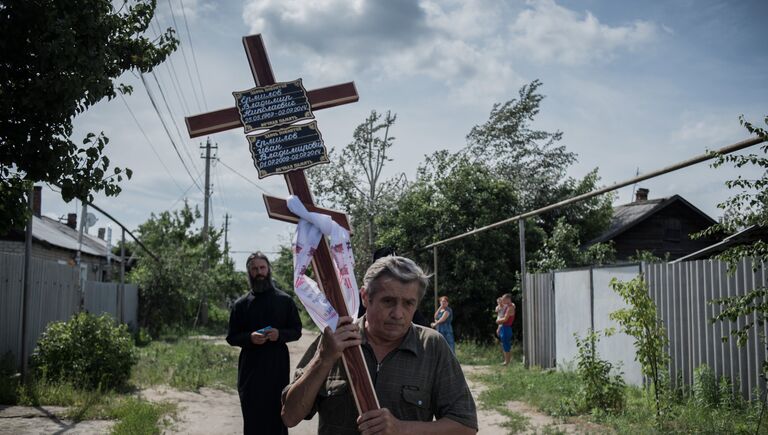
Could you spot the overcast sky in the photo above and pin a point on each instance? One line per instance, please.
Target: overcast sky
(632, 85)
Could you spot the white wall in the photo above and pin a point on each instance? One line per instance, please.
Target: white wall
(620, 347)
(573, 314)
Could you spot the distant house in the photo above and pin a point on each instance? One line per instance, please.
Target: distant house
(660, 226)
(58, 241)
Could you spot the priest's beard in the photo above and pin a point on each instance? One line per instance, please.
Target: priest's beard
(261, 283)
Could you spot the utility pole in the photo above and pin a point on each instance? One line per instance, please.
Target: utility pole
(226, 233)
(207, 157)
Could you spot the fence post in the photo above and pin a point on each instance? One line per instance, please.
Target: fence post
(524, 333)
(25, 290)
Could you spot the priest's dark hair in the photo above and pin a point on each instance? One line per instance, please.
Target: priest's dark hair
(260, 255)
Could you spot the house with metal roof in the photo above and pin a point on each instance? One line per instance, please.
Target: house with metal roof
(59, 241)
(662, 226)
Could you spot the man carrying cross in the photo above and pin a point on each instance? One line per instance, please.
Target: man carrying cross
(418, 381)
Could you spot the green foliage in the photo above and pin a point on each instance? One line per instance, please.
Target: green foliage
(747, 208)
(507, 168)
(353, 182)
(648, 257)
(186, 364)
(599, 389)
(639, 321)
(170, 291)
(471, 274)
(562, 249)
(58, 59)
(705, 387)
(89, 351)
(137, 416)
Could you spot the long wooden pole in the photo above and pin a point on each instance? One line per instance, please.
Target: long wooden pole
(25, 289)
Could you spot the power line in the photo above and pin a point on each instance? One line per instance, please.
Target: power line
(175, 124)
(167, 132)
(172, 72)
(141, 129)
(184, 55)
(244, 177)
(194, 58)
(183, 195)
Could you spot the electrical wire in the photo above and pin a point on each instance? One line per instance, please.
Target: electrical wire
(151, 145)
(245, 178)
(184, 55)
(165, 127)
(172, 72)
(175, 124)
(194, 58)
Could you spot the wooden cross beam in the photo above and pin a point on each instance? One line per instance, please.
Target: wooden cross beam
(354, 362)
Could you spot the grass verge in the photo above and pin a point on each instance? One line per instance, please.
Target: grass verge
(186, 364)
(548, 390)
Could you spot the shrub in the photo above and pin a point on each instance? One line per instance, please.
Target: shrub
(89, 351)
(705, 388)
(599, 389)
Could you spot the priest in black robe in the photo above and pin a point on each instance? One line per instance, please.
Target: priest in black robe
(261, 323)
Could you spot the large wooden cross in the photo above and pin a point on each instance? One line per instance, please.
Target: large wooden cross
(226, 119)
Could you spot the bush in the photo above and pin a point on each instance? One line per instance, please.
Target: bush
(599, 389)
(89, 351)
(705, 387)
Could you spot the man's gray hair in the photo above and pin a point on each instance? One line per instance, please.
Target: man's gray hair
(402, 269)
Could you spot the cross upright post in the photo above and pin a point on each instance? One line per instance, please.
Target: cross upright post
(226, 119)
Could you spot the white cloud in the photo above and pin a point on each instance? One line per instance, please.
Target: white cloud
(710, 129)
(465, 45)
(548, 32)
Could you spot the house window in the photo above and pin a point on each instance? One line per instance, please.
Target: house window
(672, 230)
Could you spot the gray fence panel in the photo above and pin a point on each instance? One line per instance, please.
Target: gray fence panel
(131, 305)
(11, 281)
(54, 296)
(540, 320)
(573, 312)
(101, 297)
(618, 348)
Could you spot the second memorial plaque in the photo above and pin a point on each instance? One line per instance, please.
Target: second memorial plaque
(288, 149)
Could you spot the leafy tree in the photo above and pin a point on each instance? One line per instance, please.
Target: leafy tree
(506, 169)
(746, 208)
(353, 182)
(450, 198)
(640, 321)
(170, 290)
(57, 59)
(562, 249)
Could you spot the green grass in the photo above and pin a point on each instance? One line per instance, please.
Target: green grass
(137, 416)
(186, 364)
(480, 354)
(550, 391)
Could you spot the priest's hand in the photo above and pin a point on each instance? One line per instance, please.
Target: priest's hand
(333, 343)
(258, 338)
(273, 334)
(379, 421)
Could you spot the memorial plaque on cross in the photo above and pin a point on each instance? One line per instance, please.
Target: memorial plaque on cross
(226, 119)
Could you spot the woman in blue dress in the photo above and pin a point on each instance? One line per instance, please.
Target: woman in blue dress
(443, 319)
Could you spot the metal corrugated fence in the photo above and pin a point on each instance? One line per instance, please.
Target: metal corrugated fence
(539, 320)
(54, 295)
(683, 293)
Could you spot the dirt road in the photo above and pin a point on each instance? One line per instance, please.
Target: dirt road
(209, 411)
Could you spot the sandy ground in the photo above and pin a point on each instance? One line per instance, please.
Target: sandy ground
(212, 411)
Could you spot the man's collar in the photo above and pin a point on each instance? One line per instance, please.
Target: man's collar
(409, 343)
